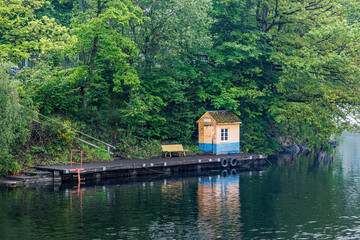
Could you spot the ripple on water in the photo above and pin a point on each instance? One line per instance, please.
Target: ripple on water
(311, 222)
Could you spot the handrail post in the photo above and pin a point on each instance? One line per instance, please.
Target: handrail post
(108, 149)
(81, 157)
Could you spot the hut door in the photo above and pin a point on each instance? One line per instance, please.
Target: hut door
(209, 138)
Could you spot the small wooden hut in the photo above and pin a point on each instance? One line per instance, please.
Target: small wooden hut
(219, 132)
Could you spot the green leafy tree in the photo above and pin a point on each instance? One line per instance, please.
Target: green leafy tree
(55, 91)
(60, 10)
(239, 72)
(316, 46)
(105, 51)
(169, 41)
(23, 34)
(16, 113)
(288, 68)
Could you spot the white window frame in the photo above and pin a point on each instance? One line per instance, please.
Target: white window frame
(224, 134)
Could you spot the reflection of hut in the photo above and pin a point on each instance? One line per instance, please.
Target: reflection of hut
(219, 132)
(219, 208)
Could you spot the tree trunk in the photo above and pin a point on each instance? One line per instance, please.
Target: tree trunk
(264, 25)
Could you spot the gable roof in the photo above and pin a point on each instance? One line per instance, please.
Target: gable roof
(222, 116)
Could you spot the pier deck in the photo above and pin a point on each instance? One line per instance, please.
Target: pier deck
(123, 168)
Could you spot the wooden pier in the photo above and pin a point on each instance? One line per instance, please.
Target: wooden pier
(127, 168)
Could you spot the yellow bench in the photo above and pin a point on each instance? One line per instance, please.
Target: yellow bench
(173, 148)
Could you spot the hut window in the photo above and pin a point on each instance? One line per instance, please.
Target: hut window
(224, 134)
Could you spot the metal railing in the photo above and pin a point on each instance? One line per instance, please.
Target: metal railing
(108, 146)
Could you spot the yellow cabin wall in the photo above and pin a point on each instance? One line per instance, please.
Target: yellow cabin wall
(206, 131)
(234, 133)
(202, 129)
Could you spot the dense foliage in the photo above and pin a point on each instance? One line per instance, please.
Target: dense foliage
(15, 116)
(146, 70)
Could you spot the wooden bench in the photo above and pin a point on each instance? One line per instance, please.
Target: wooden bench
(173, 148)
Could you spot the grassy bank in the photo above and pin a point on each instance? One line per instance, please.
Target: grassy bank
(51, 144)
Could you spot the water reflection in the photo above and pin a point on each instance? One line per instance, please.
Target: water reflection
(347, 173)
(348, 154)
(219, 207)
(319, 158)
(313, 195)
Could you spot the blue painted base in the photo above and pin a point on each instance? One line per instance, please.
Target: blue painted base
(222, 148)
(205, 147)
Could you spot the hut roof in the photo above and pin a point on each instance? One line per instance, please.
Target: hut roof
(224, 116)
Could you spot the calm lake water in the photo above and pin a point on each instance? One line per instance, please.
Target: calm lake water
(311, 196)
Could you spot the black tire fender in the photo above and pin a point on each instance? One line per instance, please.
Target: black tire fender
(224, 173)
(224, 162)
(233, 162)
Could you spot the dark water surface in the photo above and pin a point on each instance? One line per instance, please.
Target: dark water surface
(310, 196)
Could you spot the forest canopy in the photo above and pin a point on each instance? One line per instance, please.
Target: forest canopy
(148, 69)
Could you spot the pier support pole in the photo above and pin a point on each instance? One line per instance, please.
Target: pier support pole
(56, 176)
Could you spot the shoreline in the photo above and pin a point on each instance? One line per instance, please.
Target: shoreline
(123, 169)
